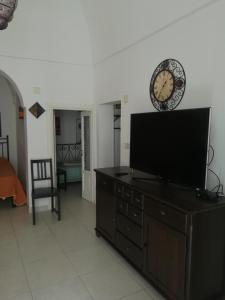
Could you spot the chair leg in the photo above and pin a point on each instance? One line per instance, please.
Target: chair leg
(59, 208)
(33, 211)
(65, 181)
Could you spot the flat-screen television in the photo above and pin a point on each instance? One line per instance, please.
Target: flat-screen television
(172, 145)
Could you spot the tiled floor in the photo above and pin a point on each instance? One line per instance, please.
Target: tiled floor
(63, 260)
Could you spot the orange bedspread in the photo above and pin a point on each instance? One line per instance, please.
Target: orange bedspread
(10, 185)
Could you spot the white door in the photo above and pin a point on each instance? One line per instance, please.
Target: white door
(86, 154)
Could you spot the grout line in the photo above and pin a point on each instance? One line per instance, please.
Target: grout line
(84, 283)
(160, 29)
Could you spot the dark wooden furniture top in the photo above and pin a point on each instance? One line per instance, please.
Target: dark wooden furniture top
(178, 197)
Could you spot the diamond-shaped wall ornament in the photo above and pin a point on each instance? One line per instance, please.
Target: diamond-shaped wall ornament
(37, 110)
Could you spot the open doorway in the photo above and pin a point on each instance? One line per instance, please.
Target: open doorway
(13, 127)
(68, 148)
(72, 136)
(109, 134)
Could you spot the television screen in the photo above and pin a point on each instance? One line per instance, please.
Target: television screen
(172, 145)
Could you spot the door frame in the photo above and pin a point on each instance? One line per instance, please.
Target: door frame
(86, 174)
(52, 136)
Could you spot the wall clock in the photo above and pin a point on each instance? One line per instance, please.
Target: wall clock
(167, 85)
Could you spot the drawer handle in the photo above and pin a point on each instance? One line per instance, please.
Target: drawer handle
(162, 213)
(135, 215)
(127, 194)
(137, 200)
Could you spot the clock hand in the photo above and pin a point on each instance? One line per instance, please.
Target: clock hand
(162, 88)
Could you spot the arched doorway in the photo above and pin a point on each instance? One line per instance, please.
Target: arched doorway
(13, 124)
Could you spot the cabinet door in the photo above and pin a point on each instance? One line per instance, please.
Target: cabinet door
(105, 206)
(165, 257)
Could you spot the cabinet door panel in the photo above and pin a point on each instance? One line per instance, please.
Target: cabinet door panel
(165, 256)
(105, 218)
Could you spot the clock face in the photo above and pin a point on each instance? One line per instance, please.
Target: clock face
(163, 85)
(167, 85)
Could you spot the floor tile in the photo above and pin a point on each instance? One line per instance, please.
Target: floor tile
(91, 259)
(42, 246)
(7, 236)
(13, 280)
(142, 295)
(110, 284)
(49, 271)
(135, 274)
(26, 296)
(25, 230)
(9, 253)
(73, 289)
(154, 293)
(5, 225)
(75, 238)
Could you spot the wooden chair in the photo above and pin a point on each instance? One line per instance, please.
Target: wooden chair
(41, 171)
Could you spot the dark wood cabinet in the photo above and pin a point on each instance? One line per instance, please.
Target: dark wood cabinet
(165, 256)
(105, 209)
(176, 240)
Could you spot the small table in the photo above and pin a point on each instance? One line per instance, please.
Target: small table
(61, 172)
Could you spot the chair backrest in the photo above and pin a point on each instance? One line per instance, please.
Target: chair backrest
(41, 170)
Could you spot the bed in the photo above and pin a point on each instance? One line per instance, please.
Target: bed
(10, 186)
(69, 160)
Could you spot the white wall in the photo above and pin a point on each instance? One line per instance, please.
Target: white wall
(196, 40)
(51, 30)
(116, 25)
(8, 118)
(47, 45)
(105, 135)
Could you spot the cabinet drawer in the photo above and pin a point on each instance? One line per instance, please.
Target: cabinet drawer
(105, 183)
(137, 200)
(128, 193)
(130, 230)
(133, 253)
(166, 214)
(119, 190)
(122, 207)
(135, 214)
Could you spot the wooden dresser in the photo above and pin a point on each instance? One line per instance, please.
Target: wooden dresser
(176, 240)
